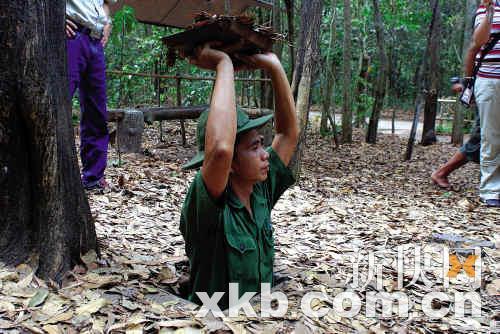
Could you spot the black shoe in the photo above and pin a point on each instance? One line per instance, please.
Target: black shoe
(100, 187)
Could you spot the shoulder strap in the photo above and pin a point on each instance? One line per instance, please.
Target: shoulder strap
(494, 38)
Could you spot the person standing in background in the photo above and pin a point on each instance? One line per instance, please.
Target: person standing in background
(88, 27)
(487, 94)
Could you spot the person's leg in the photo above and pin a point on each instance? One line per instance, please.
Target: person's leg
(76, 62)
(473, 146)
(93, 126)
(488, 101)
(468, 152)
(440, 176)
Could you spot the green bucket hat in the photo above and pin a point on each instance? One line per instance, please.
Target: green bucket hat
(244, 123)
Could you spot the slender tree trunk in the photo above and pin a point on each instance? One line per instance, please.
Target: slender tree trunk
(309, 48)
(300, 55)
(390, 69)
(360, 104)
(420, 82)
(347, 102)
(291, 35)
(43, 209)
(432, 78)
(277, 49)
(277, 26)
(329, 77)
(371, 135)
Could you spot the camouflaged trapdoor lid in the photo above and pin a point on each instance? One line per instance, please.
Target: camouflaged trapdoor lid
(181, 13)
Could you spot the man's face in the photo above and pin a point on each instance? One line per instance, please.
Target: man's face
(251, 160)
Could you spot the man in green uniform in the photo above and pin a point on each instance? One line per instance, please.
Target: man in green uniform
(226, 217)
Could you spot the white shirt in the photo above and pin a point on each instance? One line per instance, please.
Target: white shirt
(89, 13)
(490, 68)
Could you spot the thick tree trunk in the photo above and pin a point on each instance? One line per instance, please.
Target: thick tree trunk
(43, 208)
(371, 134)
(347, 97)
(309, 48)
(432, 77)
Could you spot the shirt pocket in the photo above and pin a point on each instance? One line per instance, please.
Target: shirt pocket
(242, 259)
(268, 233)
(268, 253)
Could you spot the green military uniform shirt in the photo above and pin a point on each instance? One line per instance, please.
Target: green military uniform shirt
(224, 243)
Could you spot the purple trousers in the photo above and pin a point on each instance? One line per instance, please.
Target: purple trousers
(87, 73)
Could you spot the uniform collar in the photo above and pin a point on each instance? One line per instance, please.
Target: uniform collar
(235, 202)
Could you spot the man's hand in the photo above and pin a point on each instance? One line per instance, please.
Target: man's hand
(105, 34)
(457, 88)
(207, 58)
(261, 61)
(70, 28)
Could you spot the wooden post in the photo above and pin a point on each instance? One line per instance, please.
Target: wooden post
(249, 93)
(179, 103)
(262, 90)
(158, 98)
(393, 121)
(120, 89)
(255, 99)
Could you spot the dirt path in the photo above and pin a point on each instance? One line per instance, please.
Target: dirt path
(402, 127)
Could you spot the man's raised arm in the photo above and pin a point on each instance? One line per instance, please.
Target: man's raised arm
(287, 128)
(286, 124)
(220, 132)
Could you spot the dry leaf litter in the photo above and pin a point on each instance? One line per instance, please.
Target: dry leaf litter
(350, 201)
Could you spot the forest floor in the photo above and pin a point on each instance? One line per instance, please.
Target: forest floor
(352, 204)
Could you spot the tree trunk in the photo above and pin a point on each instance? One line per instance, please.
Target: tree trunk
(347, 102)
(420, 82)
(371, 135)
(432, 78)
(360, 104)
(265, 89)
(329, 77)
(291, 35)
(278, 47)
(309, 48)
(44, 210)
(300, 53)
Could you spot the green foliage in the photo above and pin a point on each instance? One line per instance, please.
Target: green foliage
(444, 128)
(329, 133)
(136, 47)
